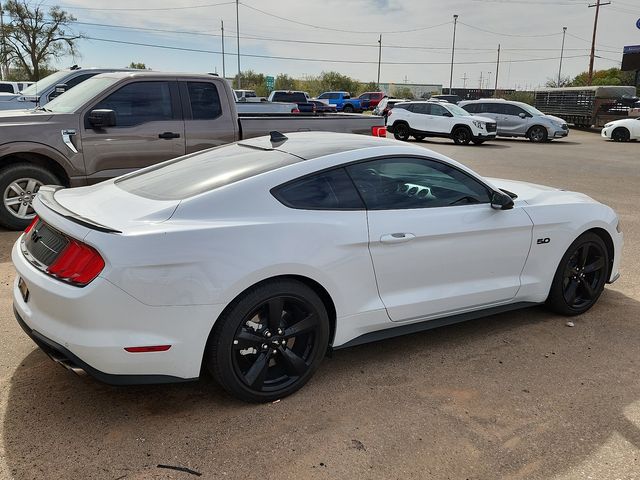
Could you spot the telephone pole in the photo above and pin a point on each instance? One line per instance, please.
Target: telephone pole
(379, 58)
(598, 4)
(222, 28)
(453, 52)
(238, 40)
(564, 34)
(495, 89)
(464, 80)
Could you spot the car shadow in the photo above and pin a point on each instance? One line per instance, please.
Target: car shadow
(516, 395)
(435, 142)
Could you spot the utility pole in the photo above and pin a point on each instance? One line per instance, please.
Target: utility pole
(453, 52)
(222, 28)
(495, 89)
(481, 80)
(488, 84)
(564, 34)
(598, 4)
(238, 40)
(379, 58)
(464, 80)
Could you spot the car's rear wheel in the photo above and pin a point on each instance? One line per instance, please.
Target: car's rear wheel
(461, 136)
(581, 276)
(401, 132)
(19, 184)
(269, 342)
(348, 109)
(620, 134)
(537, 134)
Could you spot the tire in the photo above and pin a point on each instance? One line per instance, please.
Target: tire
(348, 109)
(620, 134)
(401, 131)
(478, 142)
(419, 137)
(537, 134)
(260, 356)
(581, 275)
(461, 136)
(18, 182)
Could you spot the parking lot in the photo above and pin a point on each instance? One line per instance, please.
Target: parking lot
(519, 395)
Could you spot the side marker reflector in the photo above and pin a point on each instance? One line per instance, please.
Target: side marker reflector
(151, 348)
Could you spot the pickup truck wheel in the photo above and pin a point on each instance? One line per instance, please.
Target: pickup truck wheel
(461, 136)
(401, 132)
(620, 134)
(348, 109)
(19, 184)
(537, 134)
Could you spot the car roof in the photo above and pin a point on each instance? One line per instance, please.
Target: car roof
(310, 145)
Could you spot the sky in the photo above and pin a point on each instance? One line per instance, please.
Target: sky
(311, 36)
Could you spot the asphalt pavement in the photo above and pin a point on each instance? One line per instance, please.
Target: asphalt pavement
(517, 396)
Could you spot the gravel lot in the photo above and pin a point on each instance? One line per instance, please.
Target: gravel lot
(517, 395)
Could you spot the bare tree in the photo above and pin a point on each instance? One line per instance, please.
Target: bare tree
(35, 36)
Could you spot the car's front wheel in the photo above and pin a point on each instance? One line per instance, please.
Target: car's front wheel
(348, 109)
(580, 277)
(401, 132)
(620, 134)
(461, 136)
(537, 134)
(269, 341)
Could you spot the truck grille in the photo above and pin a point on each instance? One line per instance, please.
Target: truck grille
(491, 127)
(44, 243)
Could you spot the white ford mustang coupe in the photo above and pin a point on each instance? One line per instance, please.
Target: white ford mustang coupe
(252, 259)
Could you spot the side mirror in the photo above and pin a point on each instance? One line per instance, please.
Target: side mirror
(102, 118)
(522, 115)
(58, 90)
(501, 201)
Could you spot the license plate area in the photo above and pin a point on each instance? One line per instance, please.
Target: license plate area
(24, 290)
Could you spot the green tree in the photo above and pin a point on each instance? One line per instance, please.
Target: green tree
(284, 82)
(138, 66)
(252, 81)
(367, 87)
(553, 82)
(331, 81)
(612, 76)
(34, 36)
(403, 92)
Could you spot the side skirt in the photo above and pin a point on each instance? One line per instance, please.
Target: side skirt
(431, 324)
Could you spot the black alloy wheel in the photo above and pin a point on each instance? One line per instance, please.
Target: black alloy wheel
(401, 132)
(271, 342)
(581, 276)
(461, 136)
(538, 134)
(620, 134)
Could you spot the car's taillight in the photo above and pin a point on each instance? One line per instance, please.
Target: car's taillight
(295, 110)
(379, 131)
(31, 225)
(78, 264)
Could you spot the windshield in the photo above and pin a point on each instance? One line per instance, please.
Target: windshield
(531, 110)
(74, 99)
(42, 85)
(457, 111)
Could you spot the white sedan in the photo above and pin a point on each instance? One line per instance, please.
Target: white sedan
(254, 258)
(622, 130)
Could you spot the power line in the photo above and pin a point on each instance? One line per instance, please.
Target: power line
(135, 9)
(511, 34)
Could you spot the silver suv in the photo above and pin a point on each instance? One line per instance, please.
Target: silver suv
(517, 119)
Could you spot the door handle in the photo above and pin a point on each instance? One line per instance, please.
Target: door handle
(169, 135)
(397, 237)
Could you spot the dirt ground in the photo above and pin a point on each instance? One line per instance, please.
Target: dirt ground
(518, 395)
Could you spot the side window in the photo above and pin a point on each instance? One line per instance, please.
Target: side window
(438, 110)
(324, 95)
(512, 110)
(6, 88)
(401, 183)
(332, 190)
(79, 79)
(497, 108)
(139, 102)
(205, 101)
(472, 108)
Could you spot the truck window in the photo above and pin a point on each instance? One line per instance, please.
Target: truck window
(205, 101)
(295, 97)
(6, 88)
(79, 79)
(139, 102)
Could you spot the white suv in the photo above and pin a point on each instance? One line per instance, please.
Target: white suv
(439, 119)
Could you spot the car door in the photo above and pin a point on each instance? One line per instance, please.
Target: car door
(440, 119)
(149, 129)
(512, 122)
(208, 121)
(437, 245)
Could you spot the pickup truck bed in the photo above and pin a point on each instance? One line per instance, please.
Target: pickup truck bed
(256, 125)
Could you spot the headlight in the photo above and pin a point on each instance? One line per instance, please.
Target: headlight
(478, 123)
(608, 125)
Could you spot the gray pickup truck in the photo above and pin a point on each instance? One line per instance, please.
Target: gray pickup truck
(114, 123)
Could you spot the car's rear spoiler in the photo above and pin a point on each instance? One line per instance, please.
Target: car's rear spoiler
(46, 196)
